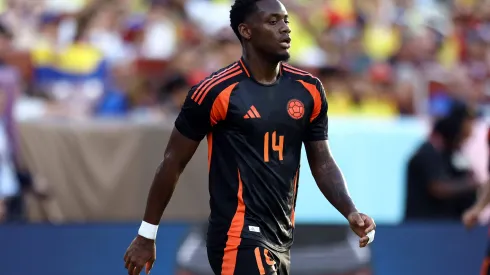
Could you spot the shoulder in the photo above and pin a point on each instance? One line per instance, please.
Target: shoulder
(310, 82)
(211, 86)
(294, 73)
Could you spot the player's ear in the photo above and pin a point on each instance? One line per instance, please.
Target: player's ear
(245, 31)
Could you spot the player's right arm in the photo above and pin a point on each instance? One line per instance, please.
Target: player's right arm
(191, 126)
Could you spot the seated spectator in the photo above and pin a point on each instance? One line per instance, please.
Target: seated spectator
(440, 182)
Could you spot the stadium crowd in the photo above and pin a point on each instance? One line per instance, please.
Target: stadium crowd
(123, 58)
(375, 57)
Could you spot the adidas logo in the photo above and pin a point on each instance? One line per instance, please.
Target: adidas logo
(252, 113)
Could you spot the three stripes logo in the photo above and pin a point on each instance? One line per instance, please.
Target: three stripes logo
(252, 113)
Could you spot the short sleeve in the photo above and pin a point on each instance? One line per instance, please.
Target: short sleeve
(193, 120)
(317, 129)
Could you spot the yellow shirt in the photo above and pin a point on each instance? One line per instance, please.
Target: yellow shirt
(376, 108)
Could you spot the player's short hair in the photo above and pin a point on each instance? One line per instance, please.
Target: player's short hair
(239, 12)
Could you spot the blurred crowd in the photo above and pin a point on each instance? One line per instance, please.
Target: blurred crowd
(379, 58)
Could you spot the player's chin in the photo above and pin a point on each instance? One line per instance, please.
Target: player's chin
(283, 55)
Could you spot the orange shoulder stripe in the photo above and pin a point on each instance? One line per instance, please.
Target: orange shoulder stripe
(215, 82)
(294, 72)
(317, 99)
(220, 105)
(295, 69)
(225, 71)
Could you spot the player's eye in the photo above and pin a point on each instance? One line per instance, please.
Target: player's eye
(272, 22)
(286, 21)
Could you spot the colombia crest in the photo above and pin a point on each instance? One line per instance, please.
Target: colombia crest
(296, 108)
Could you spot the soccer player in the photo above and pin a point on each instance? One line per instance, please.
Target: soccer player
(256, 114)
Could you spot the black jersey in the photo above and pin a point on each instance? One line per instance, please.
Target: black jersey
(255, 134)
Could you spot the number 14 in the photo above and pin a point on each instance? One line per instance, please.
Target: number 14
(276, 146)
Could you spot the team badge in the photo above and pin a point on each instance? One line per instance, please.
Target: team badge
(296, 108)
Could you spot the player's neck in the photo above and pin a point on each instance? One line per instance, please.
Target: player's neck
(262, 70)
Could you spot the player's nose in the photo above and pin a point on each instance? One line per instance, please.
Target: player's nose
(285, 28)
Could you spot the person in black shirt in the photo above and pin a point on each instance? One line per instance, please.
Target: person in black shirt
(256, 114)
(440, 184)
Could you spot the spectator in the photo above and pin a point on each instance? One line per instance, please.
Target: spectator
(440, 182)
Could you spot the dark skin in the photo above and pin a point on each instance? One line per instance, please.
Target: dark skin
(265, 41)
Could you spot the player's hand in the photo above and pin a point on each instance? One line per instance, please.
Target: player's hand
(140, 253)
(361, 224)
(470, 217)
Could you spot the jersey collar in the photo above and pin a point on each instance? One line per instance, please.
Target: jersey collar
(245, 68)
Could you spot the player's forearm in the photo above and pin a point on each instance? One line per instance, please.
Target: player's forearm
(329, 178)
(333, 186)
(161, 190)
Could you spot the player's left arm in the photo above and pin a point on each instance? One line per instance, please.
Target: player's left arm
(327, 173)
(329, 177)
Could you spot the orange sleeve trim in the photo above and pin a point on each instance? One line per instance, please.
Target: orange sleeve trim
(220, 105)
(234, 233)
(216, 82)
(317, 99)
(198, 92)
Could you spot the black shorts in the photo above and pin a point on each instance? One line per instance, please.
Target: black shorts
(246, 257)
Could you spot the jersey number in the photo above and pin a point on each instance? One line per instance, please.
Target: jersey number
(276, 145)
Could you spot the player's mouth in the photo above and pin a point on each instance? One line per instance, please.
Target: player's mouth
(285, 43)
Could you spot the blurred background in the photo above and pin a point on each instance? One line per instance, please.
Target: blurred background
(89, 91)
